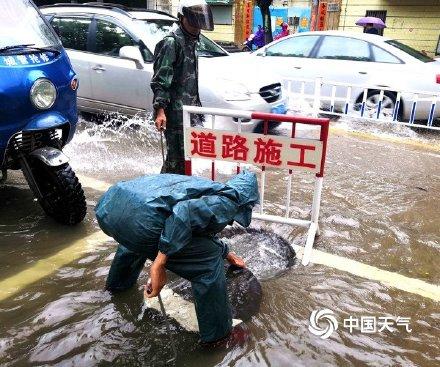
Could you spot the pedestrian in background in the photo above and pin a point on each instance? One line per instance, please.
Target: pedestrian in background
(284, 31)
(369, 28)
(175, 78)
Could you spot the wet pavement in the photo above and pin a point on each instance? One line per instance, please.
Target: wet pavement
(380, 206)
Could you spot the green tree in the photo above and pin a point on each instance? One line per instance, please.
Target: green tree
(264, 6)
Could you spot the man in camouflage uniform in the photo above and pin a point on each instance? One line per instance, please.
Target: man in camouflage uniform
(175, 79)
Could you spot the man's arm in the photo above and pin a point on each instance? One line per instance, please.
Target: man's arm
(158, 276)
(164, 59)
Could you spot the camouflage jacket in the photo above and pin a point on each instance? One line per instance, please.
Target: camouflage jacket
(175, 79)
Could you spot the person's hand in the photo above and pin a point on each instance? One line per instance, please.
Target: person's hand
(161, 119)
(158, 276)
(235, 260)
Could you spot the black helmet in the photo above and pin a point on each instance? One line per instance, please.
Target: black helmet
(198, 14)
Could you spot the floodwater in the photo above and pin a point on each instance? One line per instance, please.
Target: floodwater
(380, 206)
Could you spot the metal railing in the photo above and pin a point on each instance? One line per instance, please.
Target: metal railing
(407, 108)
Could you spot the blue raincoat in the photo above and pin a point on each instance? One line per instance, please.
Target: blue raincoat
(178, 215)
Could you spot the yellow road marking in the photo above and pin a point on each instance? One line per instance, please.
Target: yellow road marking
(411, 285)
(93, 183)
(392, 139)
(45, 267)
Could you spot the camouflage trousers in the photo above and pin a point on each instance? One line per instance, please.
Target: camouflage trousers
(175, 157)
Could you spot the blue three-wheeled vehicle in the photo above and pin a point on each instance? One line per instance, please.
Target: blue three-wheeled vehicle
(38, 113)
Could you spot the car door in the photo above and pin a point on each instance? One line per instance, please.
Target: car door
(118, 84)
(345, 60)
(387, 69)
(74, 32)
(356, 62)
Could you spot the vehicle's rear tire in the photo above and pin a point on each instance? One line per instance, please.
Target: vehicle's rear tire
(63, 197)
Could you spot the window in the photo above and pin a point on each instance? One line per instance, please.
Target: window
(344, 48)
(300, 46)
(73, 32)
(222, 14)
(410, 51)
(110, 38)
(21, 24)
(153, 31)
(380, 55)
(207, 48)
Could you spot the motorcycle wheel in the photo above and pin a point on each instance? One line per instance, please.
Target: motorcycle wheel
(63, 196)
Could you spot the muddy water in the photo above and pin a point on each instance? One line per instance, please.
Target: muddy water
(380, 206)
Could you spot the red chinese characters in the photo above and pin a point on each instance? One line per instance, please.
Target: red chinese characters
(203, 144)
(302, 154)
(268, 152)
(234, 146)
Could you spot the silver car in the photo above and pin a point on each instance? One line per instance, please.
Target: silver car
(111, 49)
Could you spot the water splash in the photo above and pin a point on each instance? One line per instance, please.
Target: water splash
(118, 144)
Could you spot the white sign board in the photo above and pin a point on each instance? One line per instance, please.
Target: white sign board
(262, 150)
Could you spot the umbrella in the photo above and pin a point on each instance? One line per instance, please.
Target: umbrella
(376, 22)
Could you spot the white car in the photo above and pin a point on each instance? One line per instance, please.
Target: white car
(357, 59)
(111, 49)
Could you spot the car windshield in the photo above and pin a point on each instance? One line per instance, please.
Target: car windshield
(410, 51)
(22, 26)
(154, 30)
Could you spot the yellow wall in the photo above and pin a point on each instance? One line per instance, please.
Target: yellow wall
(222, 32)
(413, 22)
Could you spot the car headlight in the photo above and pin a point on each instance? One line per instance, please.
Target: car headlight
(43, 94)
(233, 91)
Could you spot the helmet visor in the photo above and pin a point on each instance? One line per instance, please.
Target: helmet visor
(199, 16)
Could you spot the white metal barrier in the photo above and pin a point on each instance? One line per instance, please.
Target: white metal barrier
(265, 151)
(419, 108)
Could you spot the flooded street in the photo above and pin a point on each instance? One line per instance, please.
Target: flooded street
(380, 207)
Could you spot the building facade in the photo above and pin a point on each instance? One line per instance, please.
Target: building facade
(412, 22)
(236, 19)
(225, 19)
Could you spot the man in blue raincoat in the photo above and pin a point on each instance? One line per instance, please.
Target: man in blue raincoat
(173, 220)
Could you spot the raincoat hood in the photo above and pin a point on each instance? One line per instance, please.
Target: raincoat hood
(246, 186)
